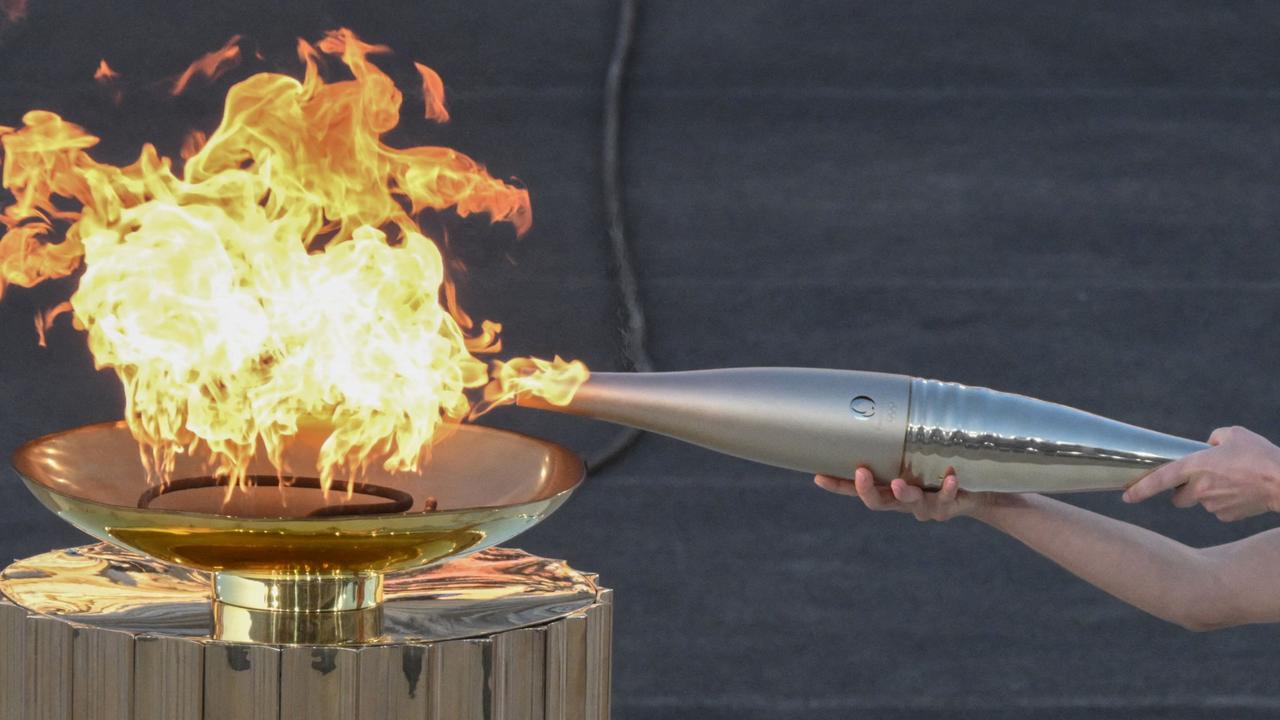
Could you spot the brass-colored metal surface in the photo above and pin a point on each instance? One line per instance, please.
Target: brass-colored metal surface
(309, 592)
(491, 591)
(487, 485)
(353, 627)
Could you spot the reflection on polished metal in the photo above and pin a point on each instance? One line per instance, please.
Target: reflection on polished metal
(1012, 443)
(492, 590)
(283, 601)
(299, 592)
(832, 421)
(290, 546)
(349, 627)
(101, 632)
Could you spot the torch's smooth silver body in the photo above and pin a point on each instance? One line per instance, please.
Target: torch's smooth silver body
(832, 421)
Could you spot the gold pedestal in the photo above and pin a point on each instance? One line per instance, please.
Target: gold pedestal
(100, 633)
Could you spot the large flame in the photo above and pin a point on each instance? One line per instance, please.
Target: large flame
(280, 278)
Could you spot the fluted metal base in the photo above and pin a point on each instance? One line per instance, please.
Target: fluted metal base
(98, 633)
(299, 592)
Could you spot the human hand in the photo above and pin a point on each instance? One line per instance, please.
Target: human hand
(1236, 478)
(947, 502)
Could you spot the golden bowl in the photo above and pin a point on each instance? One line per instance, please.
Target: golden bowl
(286, 545)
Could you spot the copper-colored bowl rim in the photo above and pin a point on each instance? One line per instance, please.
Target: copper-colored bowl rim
(21, 463)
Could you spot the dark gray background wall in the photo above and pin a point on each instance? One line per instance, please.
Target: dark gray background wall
(1073, 200)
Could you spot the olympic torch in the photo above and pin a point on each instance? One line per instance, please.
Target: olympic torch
(833, 421)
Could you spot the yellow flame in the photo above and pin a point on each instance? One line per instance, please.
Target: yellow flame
(279, 279)
(556, 381)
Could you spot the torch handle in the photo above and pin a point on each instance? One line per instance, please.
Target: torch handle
(1003, 442)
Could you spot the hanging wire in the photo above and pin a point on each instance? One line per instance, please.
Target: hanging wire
(622, 271)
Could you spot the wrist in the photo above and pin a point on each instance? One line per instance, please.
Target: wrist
(989, 506)
(1272, 480)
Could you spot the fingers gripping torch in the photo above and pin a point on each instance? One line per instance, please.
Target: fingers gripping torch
(833, 421)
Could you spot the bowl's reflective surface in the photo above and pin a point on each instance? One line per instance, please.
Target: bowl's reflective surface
(490, 591)
(488, 486)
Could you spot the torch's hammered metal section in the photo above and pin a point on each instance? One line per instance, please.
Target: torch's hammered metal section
(541, 647)
(1001, 442)
(492, 591)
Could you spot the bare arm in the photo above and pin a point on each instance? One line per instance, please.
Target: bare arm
(1199, 589)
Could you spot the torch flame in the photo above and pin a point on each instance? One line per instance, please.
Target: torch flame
(279, 279)
(556, 381)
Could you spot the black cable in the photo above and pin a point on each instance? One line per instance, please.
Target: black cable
(635, 328)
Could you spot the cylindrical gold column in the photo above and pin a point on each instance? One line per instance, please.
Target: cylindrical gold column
(98, 633)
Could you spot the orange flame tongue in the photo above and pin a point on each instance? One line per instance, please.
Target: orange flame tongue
(104, 73)
(280, 279)
(211, 65)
